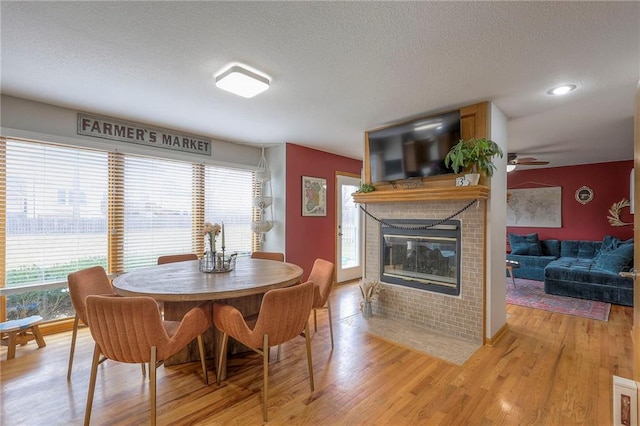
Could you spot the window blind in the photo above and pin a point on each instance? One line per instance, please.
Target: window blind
(228, 198)
(56, 207)
(158, 203)
(68, 208)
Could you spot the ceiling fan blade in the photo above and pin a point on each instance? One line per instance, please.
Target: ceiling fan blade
(532, 163)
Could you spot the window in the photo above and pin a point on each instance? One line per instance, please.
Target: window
(56, 222)
(69, 208)
(228, 199)
(158, 210)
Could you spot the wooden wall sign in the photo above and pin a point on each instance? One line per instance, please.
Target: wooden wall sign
(141, 134)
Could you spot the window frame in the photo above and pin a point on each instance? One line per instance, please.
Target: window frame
(115, 218)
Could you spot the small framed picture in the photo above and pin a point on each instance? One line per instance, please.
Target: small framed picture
(584, 194)
(314, 196)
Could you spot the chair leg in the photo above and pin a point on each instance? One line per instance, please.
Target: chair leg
(315, 320)
(203, 360)
(35, 329)
(144, 369)
(221, 354)
(92, 383)
(152, 384)
(73, 345)
(265, 368)
(330, 322)
(309, 361)
(11, 345)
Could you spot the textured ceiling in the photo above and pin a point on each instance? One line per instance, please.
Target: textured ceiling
(337, 68)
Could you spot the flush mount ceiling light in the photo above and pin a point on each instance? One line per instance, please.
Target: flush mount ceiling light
(241, 81)
(511, 167)
(562, 90)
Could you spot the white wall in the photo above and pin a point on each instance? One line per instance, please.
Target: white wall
(27, 119)
(35, 120)
(496, 305)
(276, 158)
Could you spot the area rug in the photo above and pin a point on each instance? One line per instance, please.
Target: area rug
(403, 334)
(531, 293)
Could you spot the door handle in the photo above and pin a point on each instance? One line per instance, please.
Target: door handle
(630, 274)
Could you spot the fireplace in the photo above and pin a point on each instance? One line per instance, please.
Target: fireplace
(422, 254)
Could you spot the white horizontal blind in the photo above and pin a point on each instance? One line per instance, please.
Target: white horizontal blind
(158, 210)
(228, 198)
(70, 208)
(56, 206)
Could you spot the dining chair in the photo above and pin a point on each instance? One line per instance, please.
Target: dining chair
(82, 284)
(322, 277)
(130, 330)
(171, 258)
(268, 255)
(284, 314)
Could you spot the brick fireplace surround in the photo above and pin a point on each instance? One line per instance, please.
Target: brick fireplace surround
(455, 316)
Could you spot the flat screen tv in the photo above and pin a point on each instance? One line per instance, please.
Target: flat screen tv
(413, 150)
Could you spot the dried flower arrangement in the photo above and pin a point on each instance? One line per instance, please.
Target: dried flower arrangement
(370, 289)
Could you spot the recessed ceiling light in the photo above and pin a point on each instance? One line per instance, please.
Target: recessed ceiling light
(562, 90)
(242, 82)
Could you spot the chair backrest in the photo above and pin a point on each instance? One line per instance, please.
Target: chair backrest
(268, 255)
(322, 277)
(126, 328)
(176, 258)
(284, 313)
(84, 283)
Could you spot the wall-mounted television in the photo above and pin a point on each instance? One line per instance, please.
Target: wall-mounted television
(413, 150)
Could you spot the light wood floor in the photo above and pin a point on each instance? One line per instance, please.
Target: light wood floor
(549, 369)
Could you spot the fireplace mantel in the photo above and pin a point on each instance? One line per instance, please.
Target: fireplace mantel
(423, 194)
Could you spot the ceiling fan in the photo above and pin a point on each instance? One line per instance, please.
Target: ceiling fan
(514, 160)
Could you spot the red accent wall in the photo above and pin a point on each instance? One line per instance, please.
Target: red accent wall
(311, 237)
(610, 184)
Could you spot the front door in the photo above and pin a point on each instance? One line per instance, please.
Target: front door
(348, 232)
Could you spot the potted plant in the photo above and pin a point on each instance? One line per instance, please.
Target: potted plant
(473, 155)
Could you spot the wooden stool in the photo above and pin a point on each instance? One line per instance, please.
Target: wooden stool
(19, 332)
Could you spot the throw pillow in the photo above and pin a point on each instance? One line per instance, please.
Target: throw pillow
(525, 244)
(610, 243)
(615, 260)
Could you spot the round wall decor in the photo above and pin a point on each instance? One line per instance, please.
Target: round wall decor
(584, 194)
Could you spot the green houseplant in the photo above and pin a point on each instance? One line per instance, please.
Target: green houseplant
(473, 155)
(365, 187)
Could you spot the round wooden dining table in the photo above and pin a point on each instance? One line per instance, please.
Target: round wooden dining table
(181, 286)
(183, 281)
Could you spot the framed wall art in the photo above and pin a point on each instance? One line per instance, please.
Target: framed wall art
(535, 207)
(314, 196)
(584, 194)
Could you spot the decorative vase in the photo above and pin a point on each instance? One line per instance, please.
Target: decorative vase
(367, 312)
(472, 178)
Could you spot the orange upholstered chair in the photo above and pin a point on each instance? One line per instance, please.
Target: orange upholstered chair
(322, 277)
(82, 284)
(268, 255)
(172, 258)
(130, 329)
(176, 258)
(284, 314)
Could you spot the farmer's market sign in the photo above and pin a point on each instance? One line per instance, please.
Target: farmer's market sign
(128, 131)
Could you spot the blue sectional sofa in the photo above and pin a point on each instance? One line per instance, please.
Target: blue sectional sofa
(576, 268)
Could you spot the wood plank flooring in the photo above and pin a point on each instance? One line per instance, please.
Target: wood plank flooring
(549, 369)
